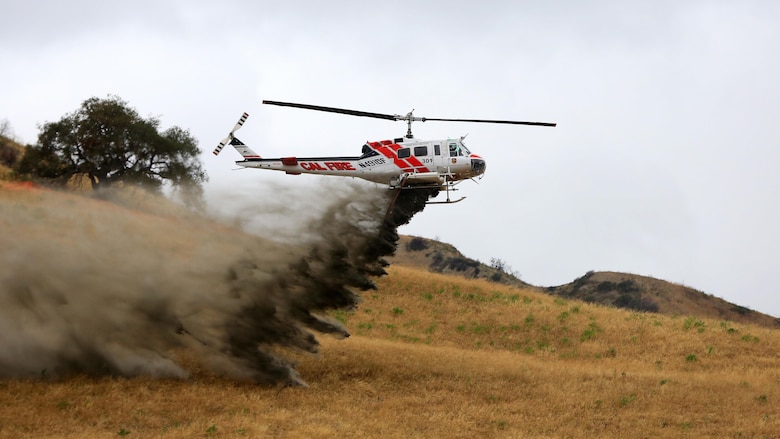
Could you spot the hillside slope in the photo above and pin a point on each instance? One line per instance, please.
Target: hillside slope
(440, 257)
(621, 290)
(431, 355)
(644, 293)
(439, 356)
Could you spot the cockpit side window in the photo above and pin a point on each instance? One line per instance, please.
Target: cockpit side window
(453, 149)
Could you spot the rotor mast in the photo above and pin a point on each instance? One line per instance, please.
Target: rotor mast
(409, 118)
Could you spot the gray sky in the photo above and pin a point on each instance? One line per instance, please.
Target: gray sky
(664, 162)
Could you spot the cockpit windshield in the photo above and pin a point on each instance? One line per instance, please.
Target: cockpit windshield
(457, 148)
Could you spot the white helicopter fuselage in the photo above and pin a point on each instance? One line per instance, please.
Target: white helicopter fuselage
(396, 163)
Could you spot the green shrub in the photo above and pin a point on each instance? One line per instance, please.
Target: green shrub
(417, 244)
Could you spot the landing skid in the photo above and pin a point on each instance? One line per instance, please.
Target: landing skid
(447, 187)
(447, 202)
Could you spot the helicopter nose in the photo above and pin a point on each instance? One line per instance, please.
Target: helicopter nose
(478, 166)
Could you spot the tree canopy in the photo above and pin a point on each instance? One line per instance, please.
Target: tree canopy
(108, 142)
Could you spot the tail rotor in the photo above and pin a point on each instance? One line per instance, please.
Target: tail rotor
(230, 136)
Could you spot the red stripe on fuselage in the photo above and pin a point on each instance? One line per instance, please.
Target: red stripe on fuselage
(386, 151)
(390, 150)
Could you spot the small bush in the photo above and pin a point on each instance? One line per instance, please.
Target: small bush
(605, 286)
(627, 286)
(592, 331)
(693, 322)
(417, 244)
(626, 400)
(462, 264)
(635, 302)
(8, 154)
(750, 338)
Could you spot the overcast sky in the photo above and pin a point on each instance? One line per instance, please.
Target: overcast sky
(664, 162)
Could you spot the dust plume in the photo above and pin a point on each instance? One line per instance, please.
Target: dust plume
(90, 286)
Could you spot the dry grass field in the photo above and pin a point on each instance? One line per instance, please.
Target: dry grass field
(439, 356)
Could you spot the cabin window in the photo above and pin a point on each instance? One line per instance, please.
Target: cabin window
(403, 153)
(420, 151)
(437, 149)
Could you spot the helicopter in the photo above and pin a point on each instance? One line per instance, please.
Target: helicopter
(401, 163)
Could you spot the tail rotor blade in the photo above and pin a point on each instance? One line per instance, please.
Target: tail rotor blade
(240, 123)
(221, 145)
(227, 139)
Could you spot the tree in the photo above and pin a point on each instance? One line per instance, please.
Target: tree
(6, 130)
(503, 267)
(8, 153)
(108, 142)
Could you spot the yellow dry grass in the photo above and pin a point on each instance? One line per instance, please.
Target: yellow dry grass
(437, 356)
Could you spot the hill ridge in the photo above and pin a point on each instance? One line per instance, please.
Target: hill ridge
(621, 290)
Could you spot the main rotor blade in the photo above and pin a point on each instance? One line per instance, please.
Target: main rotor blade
(407, 118)
(513, 122)
(333, 110)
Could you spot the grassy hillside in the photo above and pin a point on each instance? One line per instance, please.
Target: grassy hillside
(435, 355)
(438, 356)
(621, 290)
